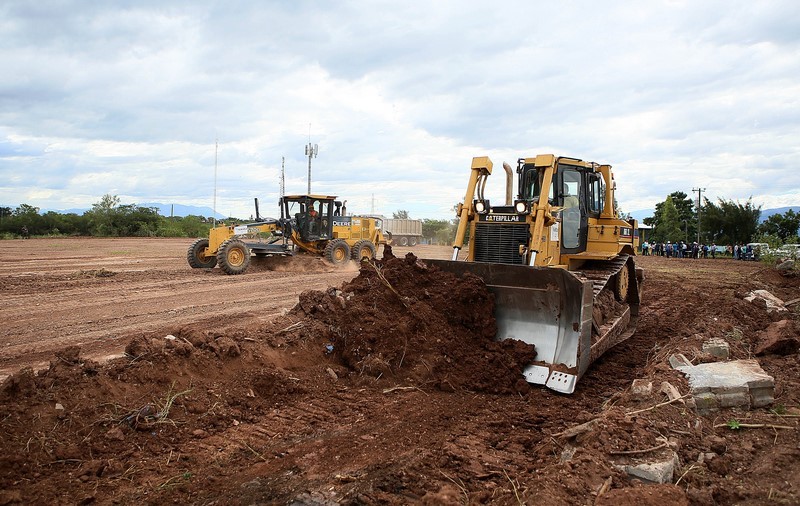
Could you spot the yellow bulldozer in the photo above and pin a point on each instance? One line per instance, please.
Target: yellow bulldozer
(558, 259)
(316, 224)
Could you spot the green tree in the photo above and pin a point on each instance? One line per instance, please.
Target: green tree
(400, 214)
(188, 226)
(27, 216)
(730, 222)
(685, 217)
(65, 224)
(437, 230)
(670, 225)
(109, 218)
(782, 225)
(101, 216)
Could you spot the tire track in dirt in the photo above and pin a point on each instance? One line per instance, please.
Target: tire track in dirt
(98, 293)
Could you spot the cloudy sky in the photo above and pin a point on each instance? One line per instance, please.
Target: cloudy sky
(129, 98)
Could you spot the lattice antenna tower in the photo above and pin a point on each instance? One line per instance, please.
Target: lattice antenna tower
(311, 152)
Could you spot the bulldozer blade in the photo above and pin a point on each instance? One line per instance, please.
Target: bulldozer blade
(547, 307)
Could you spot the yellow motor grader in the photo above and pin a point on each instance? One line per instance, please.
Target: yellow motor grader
(558, 259)
(315, 224)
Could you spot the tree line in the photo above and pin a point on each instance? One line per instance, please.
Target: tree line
(674, 219)
(677, 218)
(106, 218)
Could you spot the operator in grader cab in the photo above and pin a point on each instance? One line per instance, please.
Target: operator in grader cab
(313, 215)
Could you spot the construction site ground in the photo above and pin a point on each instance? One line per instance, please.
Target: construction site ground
(128, 377)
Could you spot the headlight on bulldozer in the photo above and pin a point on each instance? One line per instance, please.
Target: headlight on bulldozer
(521, 207)
(481, 206)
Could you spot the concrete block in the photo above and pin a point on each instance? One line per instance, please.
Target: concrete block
(679, 361)
(706, 403)
(641, 389)
(739, 383)
(717, 348)
(768, 300)
(760, 397)
(655, 471)
(734, 400)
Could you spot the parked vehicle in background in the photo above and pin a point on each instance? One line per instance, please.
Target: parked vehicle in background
(403, 232)
(755, 250)
(788, 251)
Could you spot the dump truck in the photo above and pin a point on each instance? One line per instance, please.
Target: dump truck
(558, 258)
(403, 232)
(315, 224)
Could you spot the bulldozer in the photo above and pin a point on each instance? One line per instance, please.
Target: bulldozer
(315, 224)
(558, 258)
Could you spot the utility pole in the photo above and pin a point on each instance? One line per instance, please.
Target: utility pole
(214, 210)
(699, 200)
(283, 177)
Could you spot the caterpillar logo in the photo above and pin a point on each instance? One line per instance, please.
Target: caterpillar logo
(507, 218)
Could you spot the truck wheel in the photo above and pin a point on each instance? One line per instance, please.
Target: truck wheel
(363, 250)
(337, 252)
(402, 241)
(197, 258)
(233, 256)
(412, 241)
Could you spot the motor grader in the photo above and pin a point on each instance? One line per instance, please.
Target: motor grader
(315, 224)
(558, 259)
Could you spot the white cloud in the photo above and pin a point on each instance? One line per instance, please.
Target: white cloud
(129, 99)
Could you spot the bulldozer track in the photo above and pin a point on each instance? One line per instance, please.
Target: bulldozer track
(600, 273)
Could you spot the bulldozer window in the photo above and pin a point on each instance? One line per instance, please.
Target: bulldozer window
(532, 185)
(596, 194)
(571, 194)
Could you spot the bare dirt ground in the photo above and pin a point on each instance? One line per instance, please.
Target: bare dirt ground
(275, 389)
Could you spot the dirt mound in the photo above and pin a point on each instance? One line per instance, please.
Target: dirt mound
(226, 398)
(401, 318)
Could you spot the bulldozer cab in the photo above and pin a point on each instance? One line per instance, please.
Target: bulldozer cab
(577, 190)
(311, 215)
(547, 258)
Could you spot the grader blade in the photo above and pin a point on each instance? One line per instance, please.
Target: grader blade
(547, 307)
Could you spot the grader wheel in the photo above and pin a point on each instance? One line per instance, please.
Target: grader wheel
(233, 256)
(337, 252)
(363, 250)
(197, 258)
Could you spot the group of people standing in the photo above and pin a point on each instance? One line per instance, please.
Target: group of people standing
(679, 249)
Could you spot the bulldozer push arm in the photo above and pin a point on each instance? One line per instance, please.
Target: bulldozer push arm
(548, 258)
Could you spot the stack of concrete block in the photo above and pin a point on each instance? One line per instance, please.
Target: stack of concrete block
(739, 383)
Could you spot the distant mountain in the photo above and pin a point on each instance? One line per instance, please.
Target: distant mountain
(642, 214)
(182, 210)
(765, 213)
(179, 210)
